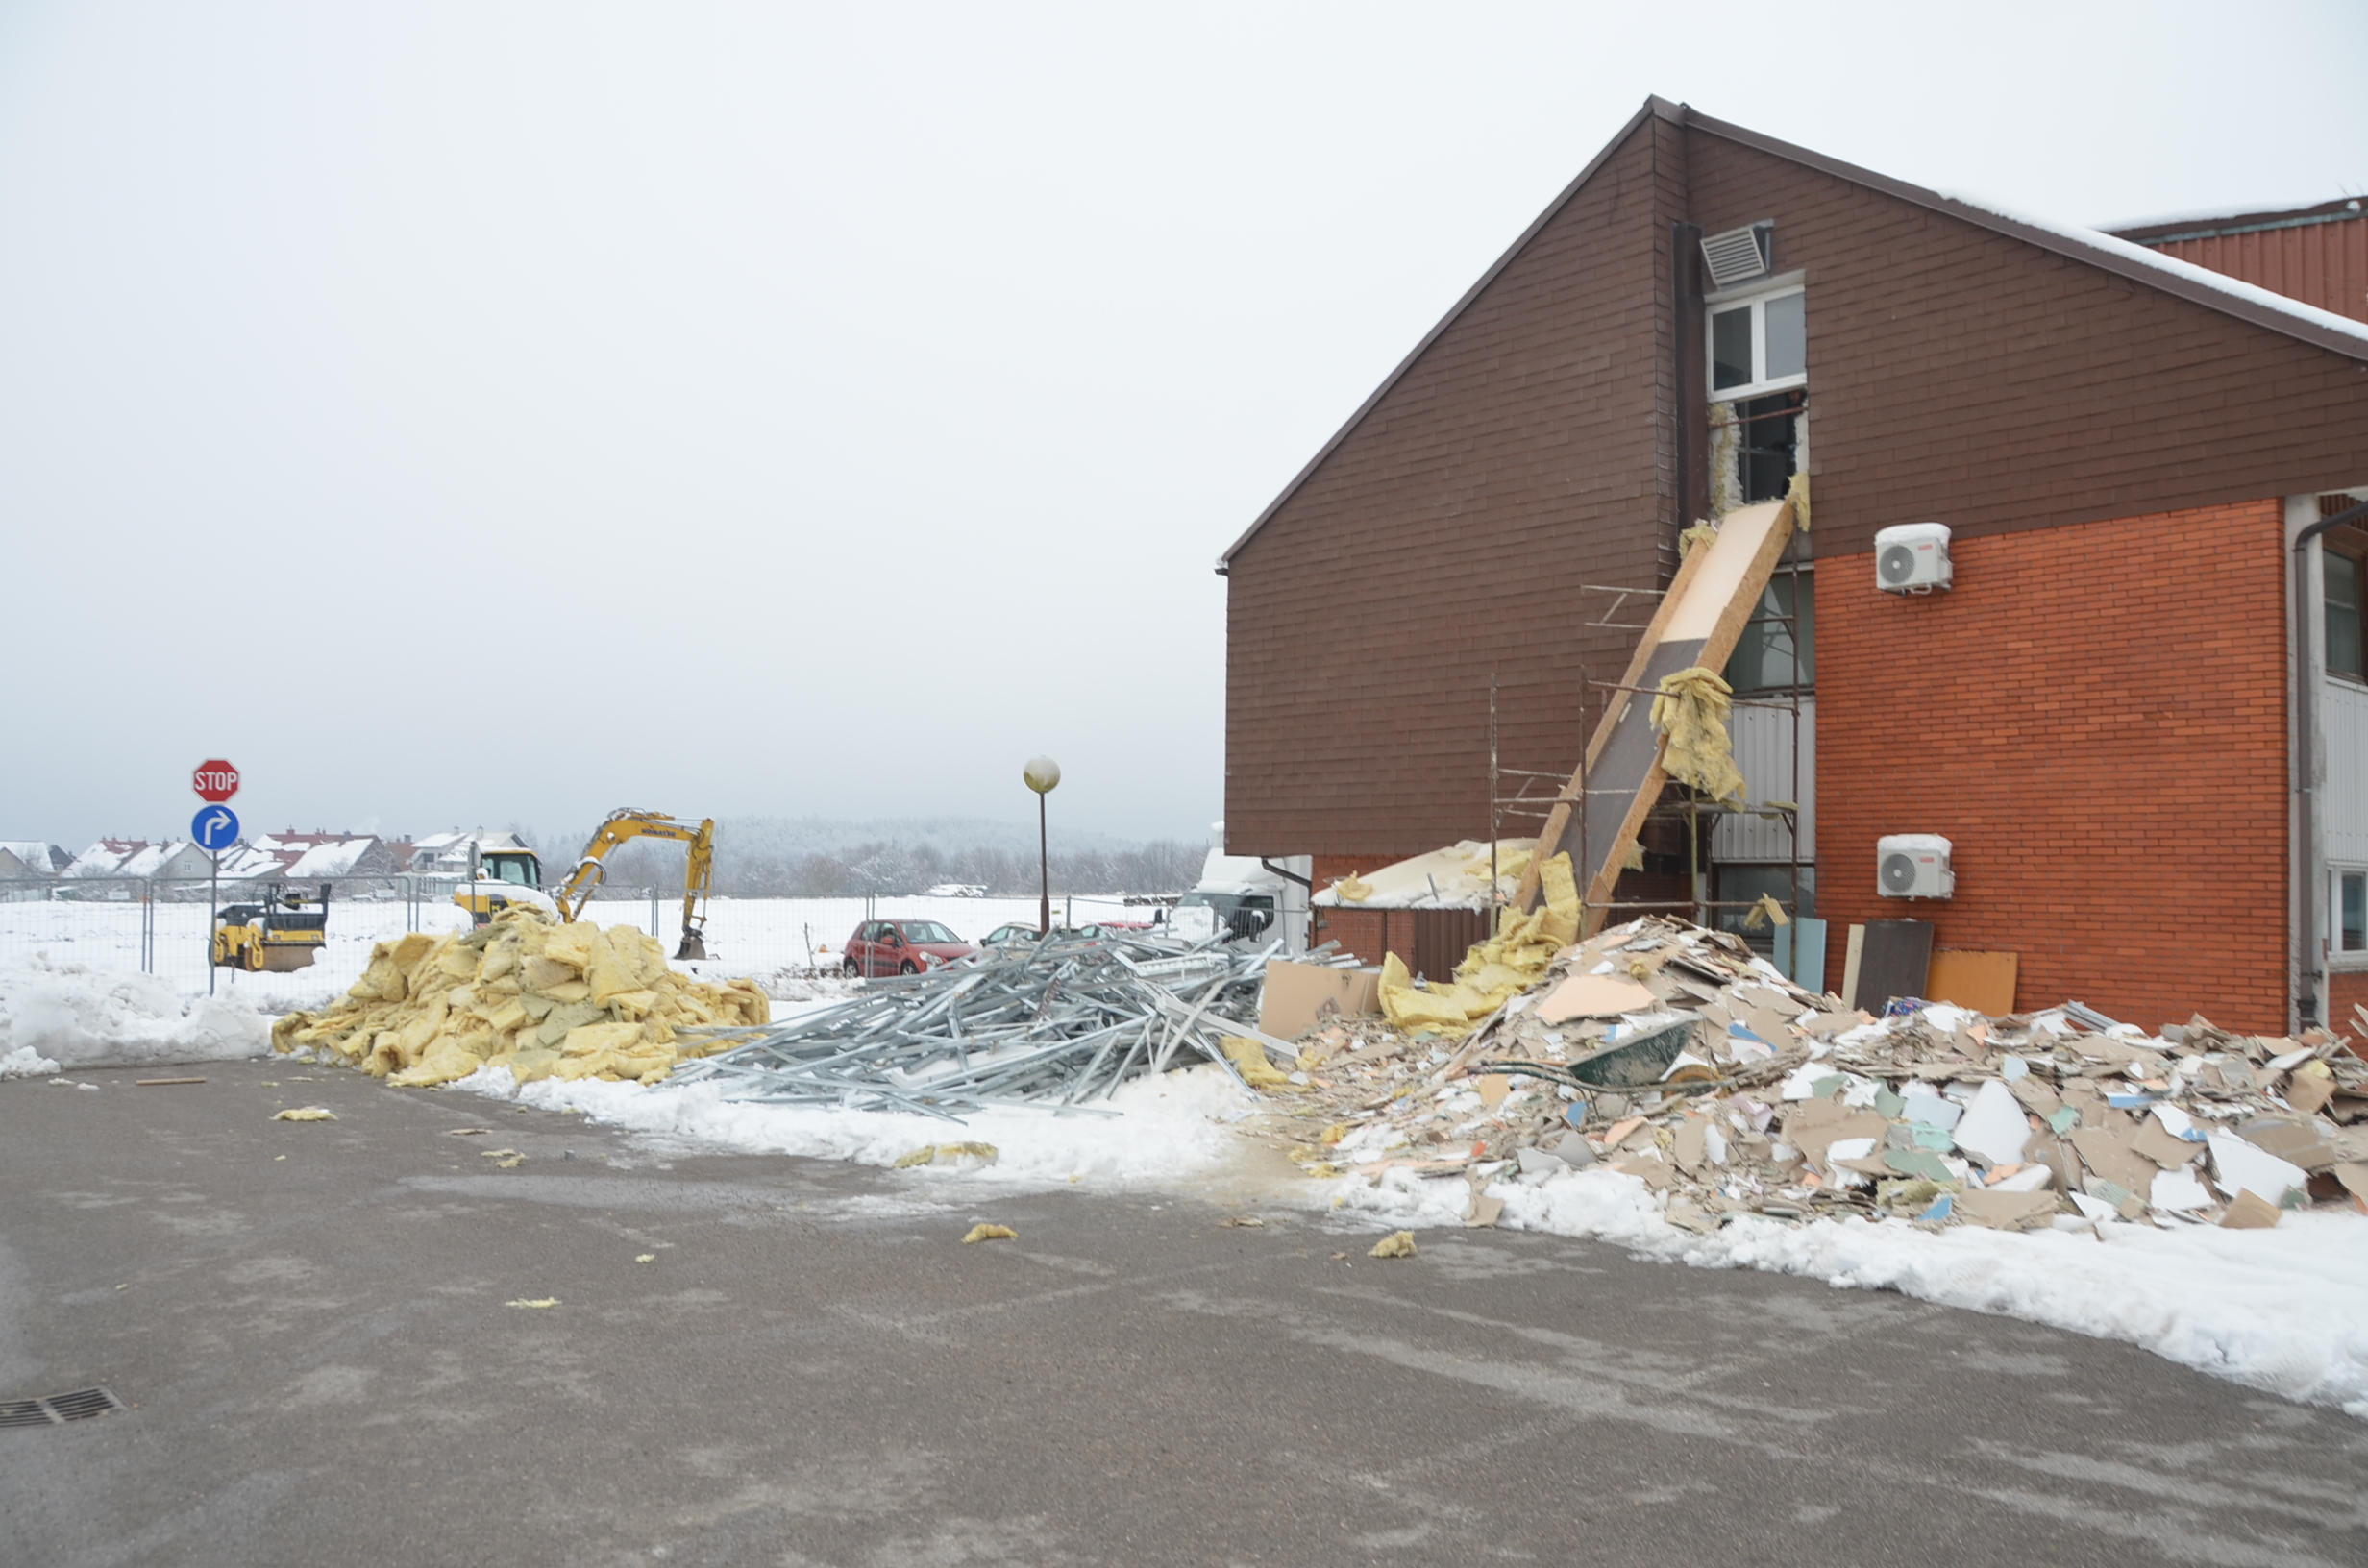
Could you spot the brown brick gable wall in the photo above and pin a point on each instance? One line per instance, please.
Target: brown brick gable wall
(2096, 718)
(1963, 377)
(1449, 535)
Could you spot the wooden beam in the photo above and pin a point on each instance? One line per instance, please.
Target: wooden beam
(1712, 597)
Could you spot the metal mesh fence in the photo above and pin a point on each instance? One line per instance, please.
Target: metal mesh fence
(137, 925)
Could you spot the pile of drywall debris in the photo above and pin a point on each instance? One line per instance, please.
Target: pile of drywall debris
(1676, 1056)
(1056, 1023)
(543, 999)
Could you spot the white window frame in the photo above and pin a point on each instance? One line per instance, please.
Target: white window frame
(1755, 297)
(2337, 955)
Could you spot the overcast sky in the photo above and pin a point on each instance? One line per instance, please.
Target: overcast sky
(503, 412)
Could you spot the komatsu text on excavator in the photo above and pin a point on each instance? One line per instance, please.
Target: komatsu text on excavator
(507, 876)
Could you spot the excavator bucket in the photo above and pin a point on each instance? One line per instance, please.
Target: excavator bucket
(692, 946)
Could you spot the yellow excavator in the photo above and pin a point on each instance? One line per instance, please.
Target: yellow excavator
(508, 875)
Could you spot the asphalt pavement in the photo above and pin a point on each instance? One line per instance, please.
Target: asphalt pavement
(316, 1330)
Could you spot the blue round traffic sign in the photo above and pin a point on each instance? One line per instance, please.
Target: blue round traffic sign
(215, 830)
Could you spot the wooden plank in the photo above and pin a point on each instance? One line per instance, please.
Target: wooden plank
(1854, 955)
(1715, 592)
(1981, 981)
(1558, 820)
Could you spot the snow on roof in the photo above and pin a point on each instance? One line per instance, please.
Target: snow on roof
(248, 861)
(1456, 877)
(145, 861)
(2170, 267)
(32, 853)
(105, 857)
(334, 858)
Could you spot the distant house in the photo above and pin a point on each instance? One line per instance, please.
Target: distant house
(451, 854)
(108, 858)
(24, 858)
(311, 856)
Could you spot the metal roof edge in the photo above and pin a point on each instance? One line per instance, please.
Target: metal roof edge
(1654, 108)
(2156, 273)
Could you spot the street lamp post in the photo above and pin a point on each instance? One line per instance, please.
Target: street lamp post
(1041, 775)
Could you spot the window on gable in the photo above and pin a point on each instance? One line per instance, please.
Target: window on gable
(2347, 587)
(1758, 345)
(2352, 912)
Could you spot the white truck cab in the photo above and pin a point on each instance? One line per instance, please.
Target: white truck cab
(1252, 898)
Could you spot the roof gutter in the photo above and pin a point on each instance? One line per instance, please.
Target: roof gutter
(2306, 794)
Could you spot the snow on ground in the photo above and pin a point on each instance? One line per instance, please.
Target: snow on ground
(1164, 1130)
(57, 1016)
(2277, 1309)
(767, 939)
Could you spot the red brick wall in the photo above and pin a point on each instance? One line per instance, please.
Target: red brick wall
(2095, 718)
(2345, 992)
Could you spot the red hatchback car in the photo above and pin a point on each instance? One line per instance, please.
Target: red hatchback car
(882, 948)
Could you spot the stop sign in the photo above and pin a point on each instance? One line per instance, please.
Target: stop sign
(214, 780)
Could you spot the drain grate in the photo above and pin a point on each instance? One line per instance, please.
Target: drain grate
(79, 1406)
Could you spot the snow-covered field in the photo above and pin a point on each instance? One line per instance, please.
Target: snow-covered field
(2276, 1310)
(755, 937)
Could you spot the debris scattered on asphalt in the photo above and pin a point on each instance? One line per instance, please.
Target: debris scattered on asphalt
(1397, 1244)
(543, 998)
(969, 1156)
(305, 1112)
(157, 1082)
(990, 1232)
(504, 1159)
(647, 1258)
(1057, 1023)
(539, 1301)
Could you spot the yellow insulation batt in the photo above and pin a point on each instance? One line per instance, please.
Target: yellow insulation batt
(1692, 711)
(543, 999)
(1495, 970)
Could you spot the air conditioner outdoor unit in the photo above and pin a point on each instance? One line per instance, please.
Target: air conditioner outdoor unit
(1912, 559)
(1913, 866)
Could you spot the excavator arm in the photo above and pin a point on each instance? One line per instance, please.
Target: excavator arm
(628, 824)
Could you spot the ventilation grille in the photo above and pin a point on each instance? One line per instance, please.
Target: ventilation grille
(79, 1406)
(1898, 874)
(1737, 255)
(1895, 566)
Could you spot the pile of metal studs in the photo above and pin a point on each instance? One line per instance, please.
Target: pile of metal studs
(1057, 1023)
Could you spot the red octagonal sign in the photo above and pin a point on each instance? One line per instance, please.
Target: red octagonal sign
(214, 780)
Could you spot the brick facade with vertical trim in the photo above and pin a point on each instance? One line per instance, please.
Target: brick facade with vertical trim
(2096, 718)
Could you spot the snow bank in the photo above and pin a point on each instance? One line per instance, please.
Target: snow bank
(2276, 1310)
(54, 1015)
(1165, 1129)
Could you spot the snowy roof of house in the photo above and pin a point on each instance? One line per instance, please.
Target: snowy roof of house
(105, 857)
(333, 858)
(36, 856)
(249, 861)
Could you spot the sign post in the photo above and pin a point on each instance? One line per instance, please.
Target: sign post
(214, 829)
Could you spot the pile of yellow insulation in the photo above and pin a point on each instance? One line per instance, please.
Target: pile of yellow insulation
(1496, 970)
(543, 999)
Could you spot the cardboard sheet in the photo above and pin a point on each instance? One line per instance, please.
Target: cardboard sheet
(1299, 996)
(1594, 997)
